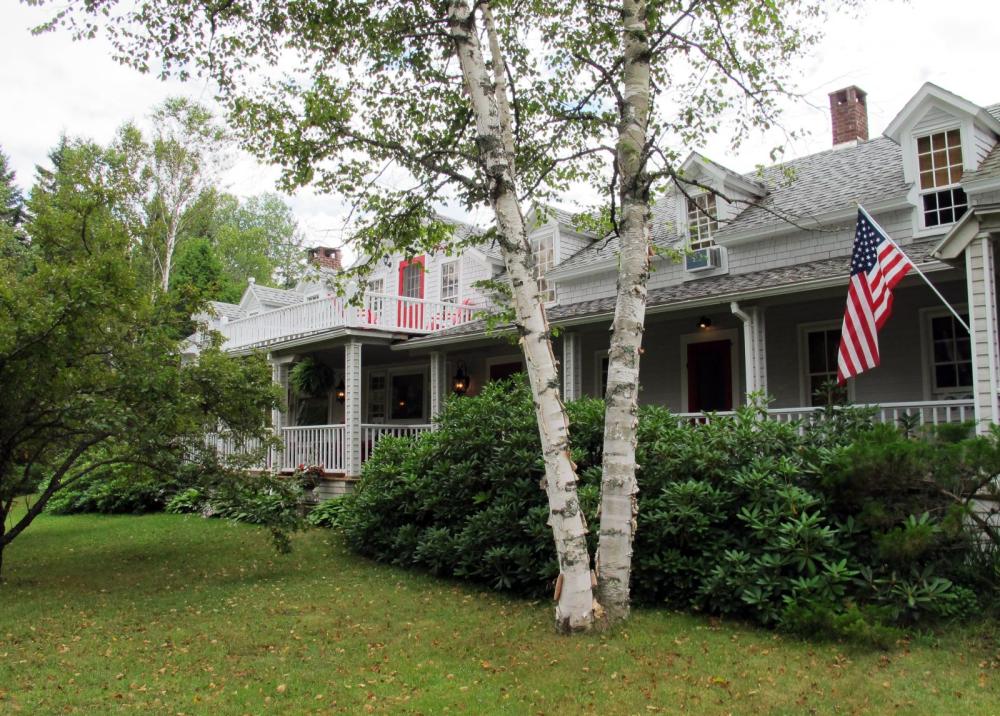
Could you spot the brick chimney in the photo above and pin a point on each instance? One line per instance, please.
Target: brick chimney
(325, 257)
(849, 114)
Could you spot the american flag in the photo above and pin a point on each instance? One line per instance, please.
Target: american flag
(877, 265)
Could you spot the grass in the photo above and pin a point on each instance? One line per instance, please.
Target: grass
(172, 614)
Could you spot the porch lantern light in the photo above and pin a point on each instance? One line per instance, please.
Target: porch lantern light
(340, 392)
(460, 383)
(704, 322)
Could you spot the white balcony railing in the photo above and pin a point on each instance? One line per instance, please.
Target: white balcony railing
(377, 311)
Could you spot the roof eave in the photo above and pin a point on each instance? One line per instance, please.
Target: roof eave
(970, 226)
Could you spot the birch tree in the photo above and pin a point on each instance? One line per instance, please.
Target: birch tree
(491, 103)
(186, 156)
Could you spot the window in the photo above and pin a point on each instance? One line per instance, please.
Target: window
(702, 221)
(449, 282)
(376, 285)
(951, 355)
(821, 346)
(407, 396)
(411, 280)
(939, 160)
(543, 249)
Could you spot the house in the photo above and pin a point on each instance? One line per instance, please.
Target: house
(755, 305)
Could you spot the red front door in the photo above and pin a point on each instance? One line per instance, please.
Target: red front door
(410, 314)
(710, 376)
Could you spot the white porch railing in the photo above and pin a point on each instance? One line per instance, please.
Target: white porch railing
(377, 311)
(927, 412)
(372, 433)
(326, 444)
(312, 445)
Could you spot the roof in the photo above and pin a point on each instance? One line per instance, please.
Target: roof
(276, 296)
(800, 191)
(604, 250)
(228, 310)
(930, 94)
(804, 189)
(721, 289)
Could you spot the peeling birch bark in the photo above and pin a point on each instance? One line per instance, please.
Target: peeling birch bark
(619, 488)
(575, 605)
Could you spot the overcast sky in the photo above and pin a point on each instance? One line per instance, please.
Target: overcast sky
(53, 85)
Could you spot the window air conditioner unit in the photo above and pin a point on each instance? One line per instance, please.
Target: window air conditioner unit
(703, 259)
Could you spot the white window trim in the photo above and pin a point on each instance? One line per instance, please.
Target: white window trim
(704, 243)
(920, 192)
(457, 263)
(927, 352)
(708, 336)
(803, 330)
(553, 234)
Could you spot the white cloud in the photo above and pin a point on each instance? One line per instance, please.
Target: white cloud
(53, 85)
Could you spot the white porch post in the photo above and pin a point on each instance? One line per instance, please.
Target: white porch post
(280, 367)
(438, 382)
(352, 407)
(572, 365)
(981, 279)
(754, 347)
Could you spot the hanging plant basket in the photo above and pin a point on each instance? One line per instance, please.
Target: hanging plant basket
(311, 379)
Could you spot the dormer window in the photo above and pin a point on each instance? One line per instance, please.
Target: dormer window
(939, 160)
(449, 282)
(543, 249)
(702, 221)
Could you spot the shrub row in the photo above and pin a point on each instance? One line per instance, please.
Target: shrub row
(842, 525)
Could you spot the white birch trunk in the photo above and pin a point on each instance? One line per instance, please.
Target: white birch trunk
(576, 607)
(618, 486)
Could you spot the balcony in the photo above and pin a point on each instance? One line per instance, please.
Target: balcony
(381, 312)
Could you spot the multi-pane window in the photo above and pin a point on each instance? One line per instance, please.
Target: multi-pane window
(449, 282)
(821, 367)
(545, 258)
(412, 275)
(702, 221)
(951, 357)
(376, 285)
(939, 160)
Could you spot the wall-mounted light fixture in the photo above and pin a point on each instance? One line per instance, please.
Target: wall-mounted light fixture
(704, 322)
(340, 392)
(460, 383)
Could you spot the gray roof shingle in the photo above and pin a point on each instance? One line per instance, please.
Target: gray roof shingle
(277, 296)
(724, 287)
(229, 310)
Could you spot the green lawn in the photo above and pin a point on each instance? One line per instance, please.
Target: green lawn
(184, 615)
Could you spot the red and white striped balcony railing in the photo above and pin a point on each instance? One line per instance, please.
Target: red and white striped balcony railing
(377, 311)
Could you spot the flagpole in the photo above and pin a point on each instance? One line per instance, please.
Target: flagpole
(919, 272)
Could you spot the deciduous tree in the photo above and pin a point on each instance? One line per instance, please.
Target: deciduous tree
(91, 373)
(493, 103)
